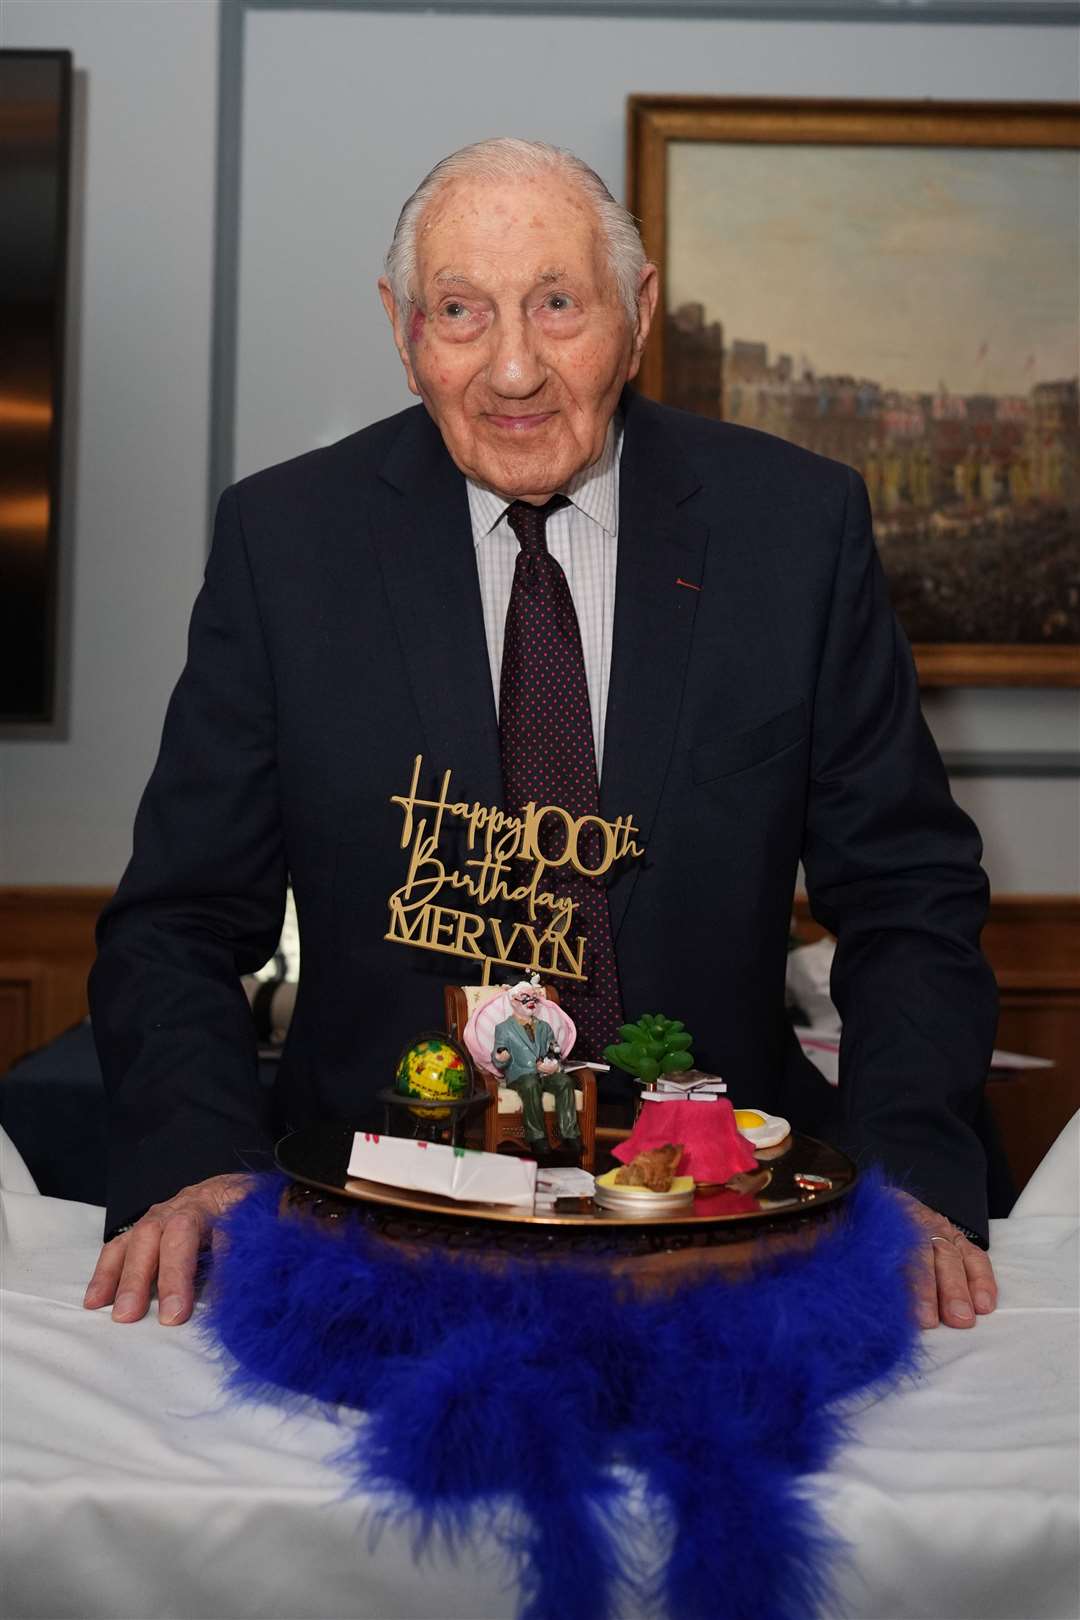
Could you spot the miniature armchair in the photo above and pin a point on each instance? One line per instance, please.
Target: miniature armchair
(501, 1121)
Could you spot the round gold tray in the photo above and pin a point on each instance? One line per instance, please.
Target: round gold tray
(797, 1183)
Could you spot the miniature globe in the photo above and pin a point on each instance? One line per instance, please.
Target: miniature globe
(431, 1068)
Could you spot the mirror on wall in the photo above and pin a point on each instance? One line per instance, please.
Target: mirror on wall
(35, 141)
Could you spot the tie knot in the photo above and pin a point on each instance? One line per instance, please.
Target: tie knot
(528, 521)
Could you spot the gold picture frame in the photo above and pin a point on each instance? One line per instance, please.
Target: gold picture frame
(1013, 486)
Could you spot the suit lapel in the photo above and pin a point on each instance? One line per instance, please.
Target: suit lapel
(423, 539)
(660, 543)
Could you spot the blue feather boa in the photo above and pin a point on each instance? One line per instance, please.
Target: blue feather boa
(528, 1384)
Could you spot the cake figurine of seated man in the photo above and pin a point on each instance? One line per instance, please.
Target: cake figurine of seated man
(526, 1056)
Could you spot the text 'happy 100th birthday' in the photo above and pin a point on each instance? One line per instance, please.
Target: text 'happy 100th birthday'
(504, 864)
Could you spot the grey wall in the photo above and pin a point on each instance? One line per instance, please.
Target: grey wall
(343, 110)
(1031, 829)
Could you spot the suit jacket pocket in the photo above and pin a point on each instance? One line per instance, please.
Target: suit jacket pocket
(739, 752)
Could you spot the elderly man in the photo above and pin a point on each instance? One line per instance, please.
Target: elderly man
(616, 603)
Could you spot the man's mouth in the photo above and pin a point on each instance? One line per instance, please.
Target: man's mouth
(526, 423)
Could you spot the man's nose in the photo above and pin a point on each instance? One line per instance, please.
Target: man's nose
(516, 369)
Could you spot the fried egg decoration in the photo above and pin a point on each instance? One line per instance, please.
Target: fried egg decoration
(760, 1129)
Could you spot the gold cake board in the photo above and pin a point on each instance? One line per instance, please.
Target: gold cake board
(786, 1206)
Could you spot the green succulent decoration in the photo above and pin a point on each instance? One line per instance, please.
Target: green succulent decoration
(655, 1045)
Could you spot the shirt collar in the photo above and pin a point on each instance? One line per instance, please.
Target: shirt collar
(594, 491)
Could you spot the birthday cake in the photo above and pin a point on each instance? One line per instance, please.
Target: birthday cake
(512, 1354)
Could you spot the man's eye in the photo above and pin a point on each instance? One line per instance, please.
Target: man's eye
(454, 310)
(558, 301)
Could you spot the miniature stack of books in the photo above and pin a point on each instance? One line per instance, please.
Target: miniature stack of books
(690, 1086)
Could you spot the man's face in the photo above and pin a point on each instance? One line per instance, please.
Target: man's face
(524, 1004)
(517, 342)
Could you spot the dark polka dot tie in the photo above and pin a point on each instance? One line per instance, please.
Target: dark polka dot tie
(548, 757)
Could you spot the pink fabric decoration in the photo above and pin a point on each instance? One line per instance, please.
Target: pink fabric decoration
(479, 1032)
(713, 1148)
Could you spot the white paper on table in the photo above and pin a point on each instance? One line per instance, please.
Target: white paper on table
(465, 1174)
(822, 1047)
(1017, 1060)
(562, 1181)
(808, 978)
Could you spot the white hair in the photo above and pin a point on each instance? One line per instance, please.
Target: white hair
(505, 158)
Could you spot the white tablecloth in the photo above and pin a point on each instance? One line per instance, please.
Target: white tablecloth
(131, 1490)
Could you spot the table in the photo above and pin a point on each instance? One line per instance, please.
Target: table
(132, 1490)
(53, 1107)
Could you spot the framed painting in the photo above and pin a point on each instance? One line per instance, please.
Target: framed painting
(895, 285)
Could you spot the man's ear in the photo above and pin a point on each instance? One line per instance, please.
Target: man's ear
(648, 292)
(393, 315)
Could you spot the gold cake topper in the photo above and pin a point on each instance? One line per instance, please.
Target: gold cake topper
(542, 941)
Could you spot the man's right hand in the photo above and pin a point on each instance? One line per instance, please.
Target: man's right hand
(162, 1247)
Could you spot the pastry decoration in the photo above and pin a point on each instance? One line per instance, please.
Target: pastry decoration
(654, 1168)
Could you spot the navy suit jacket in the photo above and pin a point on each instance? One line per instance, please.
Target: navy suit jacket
(763, 707)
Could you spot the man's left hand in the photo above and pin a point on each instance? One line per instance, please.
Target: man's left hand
(952, 1277)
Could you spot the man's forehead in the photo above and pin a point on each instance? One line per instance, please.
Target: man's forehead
(486, 217)
(471, 194)
(453, 279)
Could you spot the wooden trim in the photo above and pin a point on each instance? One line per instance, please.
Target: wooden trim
(46, 948)
(857, 121)
(987, 663)
(1032, 941)
(56, 916)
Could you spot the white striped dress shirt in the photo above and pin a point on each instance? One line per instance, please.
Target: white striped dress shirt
(583, 538)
